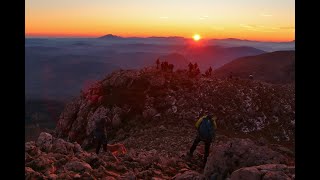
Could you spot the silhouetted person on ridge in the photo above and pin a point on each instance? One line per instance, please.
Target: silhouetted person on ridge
(206, 74)
(158, 62)
(162, 66)
(195, 66)
(230, 75)
(190, 66)
(206, 127)
(210, 70)
(197, 72)
(166, 66)
(170, 67)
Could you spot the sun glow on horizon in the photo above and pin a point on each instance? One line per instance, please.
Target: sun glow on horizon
(196, 37)
(263, 20)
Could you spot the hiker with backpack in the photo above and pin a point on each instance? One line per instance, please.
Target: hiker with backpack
(100, 136)
(206, 127)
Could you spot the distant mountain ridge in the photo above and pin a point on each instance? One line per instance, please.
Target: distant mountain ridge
(110, 36)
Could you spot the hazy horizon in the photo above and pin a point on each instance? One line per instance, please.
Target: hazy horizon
(264, 20)
(95, 37)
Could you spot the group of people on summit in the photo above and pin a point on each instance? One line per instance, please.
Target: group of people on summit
(165, 66)
(193, 70)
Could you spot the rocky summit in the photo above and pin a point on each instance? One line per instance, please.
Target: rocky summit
(153, 115)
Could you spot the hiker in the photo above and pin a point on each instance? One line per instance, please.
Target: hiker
(190, 66)
(207, 74)
(100, 136)
(158, 62)
(206, 127)
(195, 66)
(164, 66)
(197, 71)
(210, 71)
(170, 67)
(230, 75)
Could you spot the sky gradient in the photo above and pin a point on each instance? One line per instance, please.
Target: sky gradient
(265, 20)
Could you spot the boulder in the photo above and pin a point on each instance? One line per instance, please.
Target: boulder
(149, 112)
(116, 121)
(41, 163)
(31, 174)
(77, 148)
(44, 141)
(275, 175)
(65, 175)
(128, 176)
(249, 173)
(189, 175)
(237, 153)
(52, 176)
(88, 176)
(77, 166)
(32, 149)
(264, 172)
(63, 147)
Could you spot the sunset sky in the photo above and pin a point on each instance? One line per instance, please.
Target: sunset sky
(266, 20)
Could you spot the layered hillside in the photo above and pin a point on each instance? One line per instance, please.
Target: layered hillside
(178, 60)
(274, 67)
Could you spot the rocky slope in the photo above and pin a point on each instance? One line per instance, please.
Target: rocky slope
(55, 158)
(153, 115)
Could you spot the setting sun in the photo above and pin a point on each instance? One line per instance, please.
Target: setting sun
(196, 37)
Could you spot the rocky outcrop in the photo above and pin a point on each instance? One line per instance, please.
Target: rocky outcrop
(189, 175)
(31, 174)
(243, 106)
(249, 173)
(264, 172)
(44, 141)
(163, 158)
(68, 116)
(77, 166)
(237, 153)
(66, 160)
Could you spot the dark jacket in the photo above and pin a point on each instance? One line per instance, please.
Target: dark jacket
(99, 131)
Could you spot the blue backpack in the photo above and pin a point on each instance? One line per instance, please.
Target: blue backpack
(206, 129)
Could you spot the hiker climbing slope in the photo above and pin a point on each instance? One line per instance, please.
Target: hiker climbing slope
(206, 127)
(100, 136)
